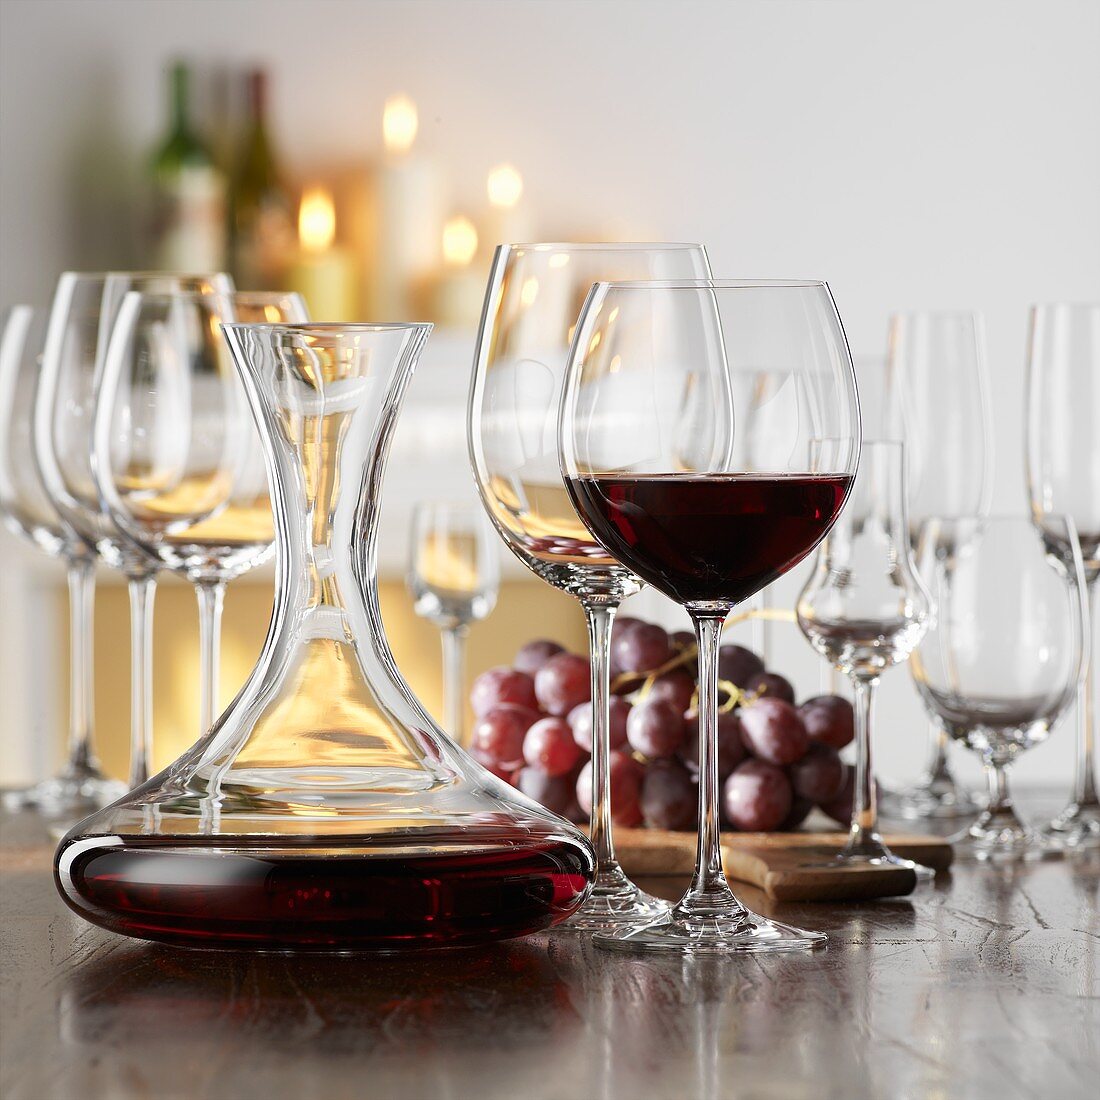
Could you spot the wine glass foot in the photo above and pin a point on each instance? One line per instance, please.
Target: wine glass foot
(935, 799)
(985, 842)
(736, 933)
(883, 858)
(1076, 828)
(73, 794)
(615, 902)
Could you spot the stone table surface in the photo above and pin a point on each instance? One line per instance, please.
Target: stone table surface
(986, 985)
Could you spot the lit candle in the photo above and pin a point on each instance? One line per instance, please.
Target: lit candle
(461, 288)
(409, 216)
(322, 273)
(507, 221)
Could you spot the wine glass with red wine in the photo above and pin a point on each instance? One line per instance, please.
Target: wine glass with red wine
(648, 441)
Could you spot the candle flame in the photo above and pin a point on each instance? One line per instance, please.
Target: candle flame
(399, 124)
(316, 220)
(459, 241)
(505, 186)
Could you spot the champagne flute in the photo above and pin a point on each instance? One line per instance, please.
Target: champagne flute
(863, 609)
(453, 577)
(1004, 658)
(178, 461)
(937, 403)
(534, 295)
(1063, 476)
(84, 309)
(647, 440)
(80, 786)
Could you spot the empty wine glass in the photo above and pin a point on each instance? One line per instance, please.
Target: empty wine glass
(1063, 477)
(937, 403)
(453, 577)
(648, 432)
(84, 309)
(178, 462)
(1003, 660)
(534, 295)
(80, 786)
(863, 609)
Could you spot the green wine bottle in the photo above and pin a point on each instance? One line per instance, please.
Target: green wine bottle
(188, 218)
(261, 234)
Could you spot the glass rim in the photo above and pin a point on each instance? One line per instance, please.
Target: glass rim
(714, 284)
(911, 314)
(998, 518)
(599, 246)
(1085, 304)
(332, 326)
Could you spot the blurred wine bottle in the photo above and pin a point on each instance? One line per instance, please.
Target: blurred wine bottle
(188, 215)
(261, 236)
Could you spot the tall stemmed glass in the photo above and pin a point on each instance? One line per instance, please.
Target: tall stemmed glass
(1004, 658)
(453, 578)
(84, 309)
(863, 609)
(1063, 476)
(649, 420)
(80, 786)
(937, 403)
(534, 295)
(178, 460)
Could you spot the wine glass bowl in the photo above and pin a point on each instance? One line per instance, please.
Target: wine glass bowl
(533, 299)
(1063, 478)
(649, 447)
(1003, 660)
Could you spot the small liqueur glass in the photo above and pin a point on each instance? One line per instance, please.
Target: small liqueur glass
(1002, 662)
(80, 786)
(1063, 477)
(937, 403)
(649, 454)
(534, 294)
(863, 609)
(179, 464)
(454, 579)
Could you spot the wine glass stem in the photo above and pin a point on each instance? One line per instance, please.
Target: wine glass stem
(142, 591)
(454, 679)
(599, 616)
(81, 576)
(863, 838)
(1084, 782)
(211, 597)
(709, 891)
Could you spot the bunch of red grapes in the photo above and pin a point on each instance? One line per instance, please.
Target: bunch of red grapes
(776, 760)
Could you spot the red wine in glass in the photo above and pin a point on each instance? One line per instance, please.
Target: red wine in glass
(709, 537)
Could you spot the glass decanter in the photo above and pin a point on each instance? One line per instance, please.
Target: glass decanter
(325, 810)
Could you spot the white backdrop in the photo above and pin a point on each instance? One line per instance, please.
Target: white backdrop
(940, 154)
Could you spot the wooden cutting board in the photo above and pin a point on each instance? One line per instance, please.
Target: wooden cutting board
(787, 866)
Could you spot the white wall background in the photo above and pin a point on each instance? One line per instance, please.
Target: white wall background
(934, 154)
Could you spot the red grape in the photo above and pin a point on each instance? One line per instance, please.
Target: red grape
(642, 648)
(772, 686)
(549, 745)
(534, 655)
(626, 782)
(757, 796)
(507, 774)
(681, 639)
(731, 747)
(738, 665)
(555, 792)
(502, 685)
(562, 683)
(655, 729)
(840, 808)
(829, 719)
(676, 686)
(800, 810)
(670, 797)
(819, 775)
(497, 737)
(580, 718)
(622, 626)
(774, 731)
